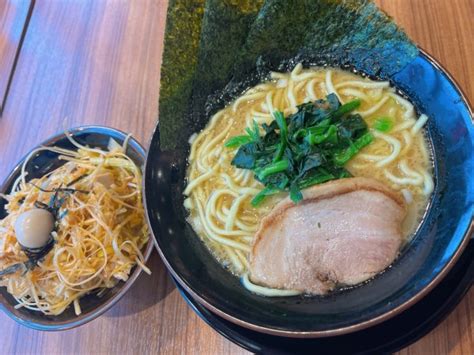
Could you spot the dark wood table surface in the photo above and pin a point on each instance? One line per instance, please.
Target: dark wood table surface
(98, 62)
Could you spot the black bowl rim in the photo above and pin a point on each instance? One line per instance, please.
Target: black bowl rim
(342, 330)
(102, 308)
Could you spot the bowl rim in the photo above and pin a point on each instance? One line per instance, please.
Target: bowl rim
(103, 307)
(345, 329)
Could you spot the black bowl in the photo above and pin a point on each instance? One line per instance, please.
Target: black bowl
(92, 306)
(438, 243)
(384, 338)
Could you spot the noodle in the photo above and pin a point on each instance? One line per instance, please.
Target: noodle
(419, 123)
(266, 291)
(374, 108)
(329, 86)
(219, 194)
(99, 232)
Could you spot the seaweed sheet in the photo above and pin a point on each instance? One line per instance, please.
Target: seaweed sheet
(241, 41)
(225, 28)
(182, 38)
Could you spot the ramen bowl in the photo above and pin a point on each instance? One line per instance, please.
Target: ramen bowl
(40, 164)
(437, 244)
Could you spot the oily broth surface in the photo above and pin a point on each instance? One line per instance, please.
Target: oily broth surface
(219, 194)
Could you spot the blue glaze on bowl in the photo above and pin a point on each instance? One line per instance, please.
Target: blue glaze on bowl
(92, 306)
(437, 244)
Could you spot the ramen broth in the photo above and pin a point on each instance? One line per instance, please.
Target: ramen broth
(219, 194)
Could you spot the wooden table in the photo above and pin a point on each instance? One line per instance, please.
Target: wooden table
(98, 62)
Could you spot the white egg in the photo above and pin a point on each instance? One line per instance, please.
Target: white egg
(33, 228)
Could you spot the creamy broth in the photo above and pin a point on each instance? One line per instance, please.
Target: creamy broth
(219, 194)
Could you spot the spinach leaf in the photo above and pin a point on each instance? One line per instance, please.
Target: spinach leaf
(245, 157)
(346, 154)
(295, 193)
(280, 119)
(352, 127)
(237, 141)
(267, 191)
(306, 148)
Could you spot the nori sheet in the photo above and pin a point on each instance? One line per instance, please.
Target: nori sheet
(350, 32)
(225, 27)
(179, 62)
(241, 41)
(202, 40)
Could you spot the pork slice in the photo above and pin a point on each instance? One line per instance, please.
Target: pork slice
(343, 233)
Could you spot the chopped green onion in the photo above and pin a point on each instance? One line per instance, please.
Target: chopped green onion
(383, 124)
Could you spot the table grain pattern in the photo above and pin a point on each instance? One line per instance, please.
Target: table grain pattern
(98, 62)
(13, 17)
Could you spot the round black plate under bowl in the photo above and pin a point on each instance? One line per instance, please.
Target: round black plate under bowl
(438, 243)
(392, 335)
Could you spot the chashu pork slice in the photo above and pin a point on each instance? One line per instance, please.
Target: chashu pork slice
(342, 233)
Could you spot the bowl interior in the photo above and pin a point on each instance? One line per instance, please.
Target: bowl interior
(438, 241)
(42, 163)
